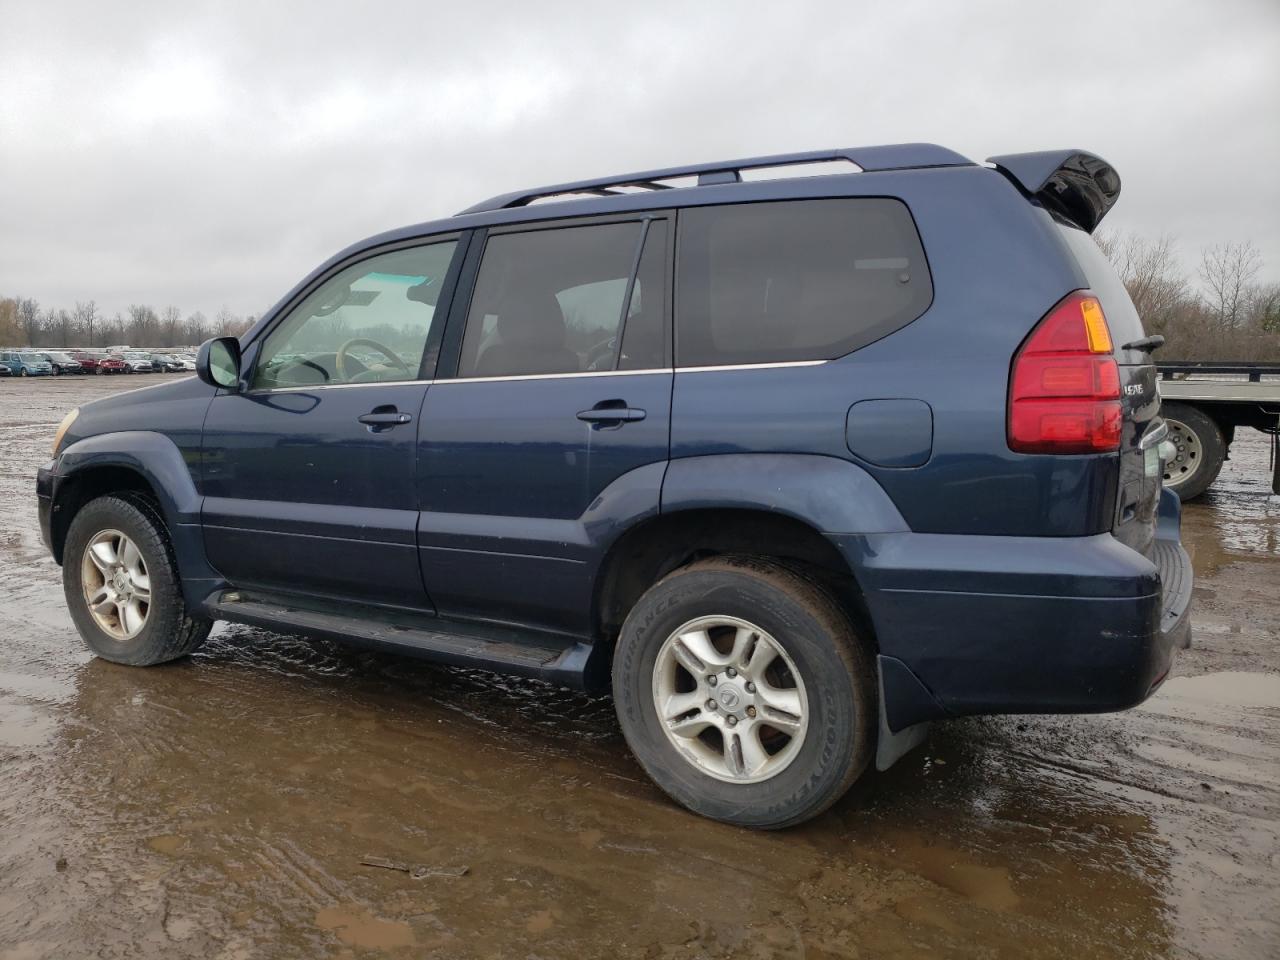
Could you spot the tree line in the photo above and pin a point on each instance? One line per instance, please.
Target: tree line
(1222, 311)
(24, 323)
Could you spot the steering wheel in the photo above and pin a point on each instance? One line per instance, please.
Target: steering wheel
(340, 360)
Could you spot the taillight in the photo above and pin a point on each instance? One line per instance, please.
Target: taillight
(1064, 392)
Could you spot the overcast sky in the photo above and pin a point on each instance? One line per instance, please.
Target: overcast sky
(210, 154)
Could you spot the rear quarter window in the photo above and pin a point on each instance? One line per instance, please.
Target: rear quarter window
(795, 280)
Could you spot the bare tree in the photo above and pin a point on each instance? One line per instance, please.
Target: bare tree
(144, 326)
(170, 326)
(195, 329)
(115, 330)
(10, 328)
(59, 328)
(227, 324)
(85, 318)
(1151, 272)
(1228, 272)
(1264, 309)
(29, 320)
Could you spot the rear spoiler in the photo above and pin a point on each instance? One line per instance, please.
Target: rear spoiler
(1077, 185)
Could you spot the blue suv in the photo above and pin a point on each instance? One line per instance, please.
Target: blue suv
(795, 466)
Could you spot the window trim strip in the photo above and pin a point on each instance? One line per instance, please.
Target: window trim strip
(726, 368)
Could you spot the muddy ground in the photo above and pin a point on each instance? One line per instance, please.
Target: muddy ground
(220, 807)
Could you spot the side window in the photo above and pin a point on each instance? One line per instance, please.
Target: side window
(795, 280)
(368, 323)
(644, 336)
(551, 301)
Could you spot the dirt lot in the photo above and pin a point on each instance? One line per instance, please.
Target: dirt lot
(219, 807)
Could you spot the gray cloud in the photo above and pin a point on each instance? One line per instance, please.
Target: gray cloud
(209, 154)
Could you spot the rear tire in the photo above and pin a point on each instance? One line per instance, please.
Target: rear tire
(817, 682)
(118, 554)
(1201, 450)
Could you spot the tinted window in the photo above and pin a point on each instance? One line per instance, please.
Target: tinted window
(644, 338)
(551, 301)
(796, 280)
(368, 323)
(1122, 317)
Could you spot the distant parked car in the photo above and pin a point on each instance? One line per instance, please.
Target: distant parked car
(188, 362)
(110, 363)
(5, 370)
(62, 362)
(135, 362)
(24, 363)
(168, 363)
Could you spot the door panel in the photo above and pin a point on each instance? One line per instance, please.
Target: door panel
(302, 496)
(309, 474)
(511, 480)
(556, 431)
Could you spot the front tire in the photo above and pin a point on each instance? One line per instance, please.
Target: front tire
(120, 579)
(764, 743)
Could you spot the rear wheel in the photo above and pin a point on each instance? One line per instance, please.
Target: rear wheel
(120, 579)
(1200, 450)
(745, 692)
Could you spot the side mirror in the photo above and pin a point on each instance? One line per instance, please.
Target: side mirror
(218, 362)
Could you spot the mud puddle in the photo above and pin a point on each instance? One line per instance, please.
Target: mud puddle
(220, 807)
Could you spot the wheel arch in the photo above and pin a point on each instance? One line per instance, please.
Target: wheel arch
(139, 461)
(654, 547)
(85, 486)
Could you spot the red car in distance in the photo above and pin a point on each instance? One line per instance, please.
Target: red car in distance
(99, 361)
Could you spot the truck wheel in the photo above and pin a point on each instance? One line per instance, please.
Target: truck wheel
(745, 692)
(1201, 449)
(120, 579)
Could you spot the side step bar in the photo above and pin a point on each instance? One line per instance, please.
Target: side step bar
(566, 660)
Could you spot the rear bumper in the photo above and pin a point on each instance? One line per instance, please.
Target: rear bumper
(981, 625)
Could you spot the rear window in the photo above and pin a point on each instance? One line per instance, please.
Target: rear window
(795, 280)
(1122, 317)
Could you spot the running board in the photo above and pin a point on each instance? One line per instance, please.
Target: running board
(556, 658)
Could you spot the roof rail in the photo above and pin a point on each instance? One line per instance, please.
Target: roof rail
(903, 156)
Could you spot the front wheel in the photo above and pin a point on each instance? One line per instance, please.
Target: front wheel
(120, 579)
(745, 692)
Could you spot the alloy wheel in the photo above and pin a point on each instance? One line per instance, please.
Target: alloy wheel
(730, 699)
(117, 587)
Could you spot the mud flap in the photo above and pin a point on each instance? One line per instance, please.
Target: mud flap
(891, 747)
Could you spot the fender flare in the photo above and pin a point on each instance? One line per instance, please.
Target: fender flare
(152, 455)
(829, 494)
(157, 459)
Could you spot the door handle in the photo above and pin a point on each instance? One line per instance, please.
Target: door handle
(382, 419)
(616, 413)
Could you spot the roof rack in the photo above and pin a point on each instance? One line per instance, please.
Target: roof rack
(903, 156)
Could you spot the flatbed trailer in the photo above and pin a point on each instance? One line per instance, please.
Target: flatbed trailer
(1203, 404)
